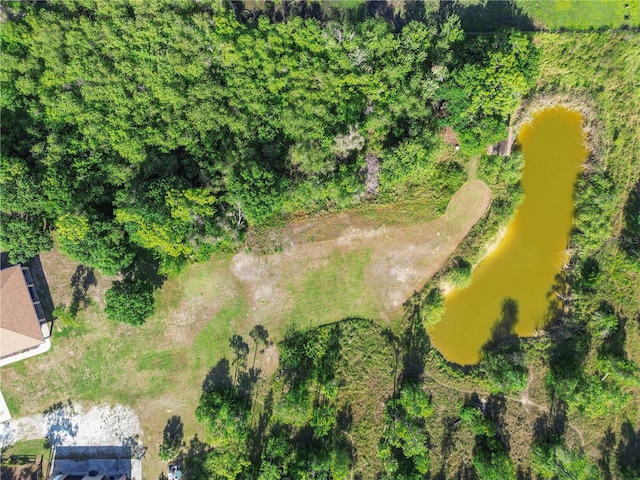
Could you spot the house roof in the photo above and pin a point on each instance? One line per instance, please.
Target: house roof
(78, 462)
(19, 325)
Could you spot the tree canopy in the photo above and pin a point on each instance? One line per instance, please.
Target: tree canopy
(168, 127)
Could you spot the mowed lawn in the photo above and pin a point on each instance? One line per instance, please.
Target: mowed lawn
(158, 368)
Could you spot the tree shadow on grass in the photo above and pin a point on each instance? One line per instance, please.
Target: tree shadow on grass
(570, 342)
(613, 338)
(82, 279)
(258, 437)
(260, 337)
(415, 343)
(549, 428)
(495, 409)
(172, 437)
(450, 425)
(174, 430)
(394, 342)
(466, 472)
(628, 451)
(630, 233)
(218, 377)
(240, 352)
(329, 360)
(248, 379)
(487, 16)
(589, 273)
(607, 447)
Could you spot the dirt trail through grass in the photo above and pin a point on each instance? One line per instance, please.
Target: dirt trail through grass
(523, 401)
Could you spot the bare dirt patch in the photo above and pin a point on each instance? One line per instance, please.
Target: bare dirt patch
(449, 136)
(400, 260)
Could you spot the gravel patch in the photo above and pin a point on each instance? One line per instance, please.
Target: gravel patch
(69, 424)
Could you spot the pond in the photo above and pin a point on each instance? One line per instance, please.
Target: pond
(523, 267)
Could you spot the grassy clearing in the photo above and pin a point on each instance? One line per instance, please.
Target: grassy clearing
(158, 368)
(334, 286)
(582, 14)
(28, 447)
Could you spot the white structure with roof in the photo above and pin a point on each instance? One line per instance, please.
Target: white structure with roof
(24, 331)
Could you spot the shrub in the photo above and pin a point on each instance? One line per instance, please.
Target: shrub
(65, 317)
(167, 452)
(129, 301)
(433, 307)
(460, 273)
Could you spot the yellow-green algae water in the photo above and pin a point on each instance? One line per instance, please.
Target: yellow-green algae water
(525, 263)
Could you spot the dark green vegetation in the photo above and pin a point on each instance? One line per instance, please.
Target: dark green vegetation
(310, 419)
(152, 134)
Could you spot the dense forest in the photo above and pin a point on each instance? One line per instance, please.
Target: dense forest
(141, 137)
(159, 132)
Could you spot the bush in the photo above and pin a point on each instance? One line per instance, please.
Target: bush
(432, 308)
(65, 317)
(460, 273)
(129, 301)
(167, 452)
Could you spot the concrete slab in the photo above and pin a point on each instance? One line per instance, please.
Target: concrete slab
(5, 415)
(42, 348)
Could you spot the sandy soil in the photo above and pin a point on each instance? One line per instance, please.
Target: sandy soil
(70, 424)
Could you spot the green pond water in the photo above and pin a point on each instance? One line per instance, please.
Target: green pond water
(524, 265)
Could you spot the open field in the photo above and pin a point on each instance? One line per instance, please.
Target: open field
(582, 14)
(158, 368)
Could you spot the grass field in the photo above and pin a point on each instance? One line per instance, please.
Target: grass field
(582, 14)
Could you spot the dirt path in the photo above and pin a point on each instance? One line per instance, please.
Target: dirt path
(523, 400)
